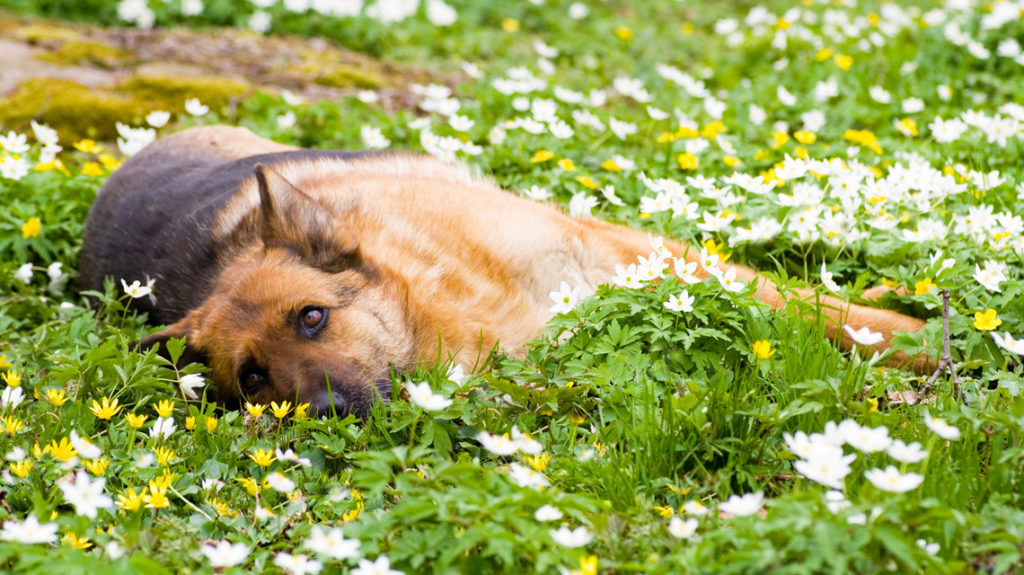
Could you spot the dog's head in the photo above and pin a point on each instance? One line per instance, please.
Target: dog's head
(299, 316)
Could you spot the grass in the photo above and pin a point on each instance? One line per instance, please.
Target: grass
(639, 411)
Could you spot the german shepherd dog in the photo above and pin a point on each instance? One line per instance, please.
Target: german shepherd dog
(308, 275)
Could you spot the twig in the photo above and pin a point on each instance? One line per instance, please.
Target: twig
(947, 359)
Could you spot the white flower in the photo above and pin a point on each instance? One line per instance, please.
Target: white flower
(289, 455)
(24, 273)
(880, 95)
(547, 513)
(826, 466)
(835, 501)
(1009, 343)
(13, 167)
(929, 548)
(729, 281)
(621, 129)
(682, 529)
(536, 193)
(456, 374)
(565, 298)
(14, 142)
(29, 531)
(382, 566)
(865, 439)
(990, 276)
(12, 396)
(571, 538)
(441, 14)
(906, 453)
(158, 119)
(287, 120)
(695, 507)
(864, 335)
(84, 447)
(225, 553)
(743, 505)
(297, 564)
(890, 479)
(279, 482)
(421, 395)
(162, 427)
(526, 443)
(136, 290)
(373, 138)
(524, 476)
(86, 495)
(113, 550)
(332, 543)
(685, 271)
(580, 204)
(627, 277)
(189, 383)
(681, 303)
(941, 428)
(497, 444)
(827, 281)
(195, 107)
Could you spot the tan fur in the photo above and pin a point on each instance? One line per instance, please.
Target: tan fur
(454, 265)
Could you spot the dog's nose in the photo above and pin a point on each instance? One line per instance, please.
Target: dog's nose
(329, 403)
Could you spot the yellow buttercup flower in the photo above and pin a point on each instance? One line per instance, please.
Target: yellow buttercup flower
(165, 408)
(300, 410)
(588, 182)
(353, 513)
(164, 456)
(53, 164)
(135, 420)
(129, 500)
(162, 481)
(76, 541)
(541, 156)
(731, 161)
(254, 410)
(190, 423)
(280, 411)
(712, 129)
(12, 424)
(510, 25)
(987, 320)
(805, 136)
(843, 61)
(4, 362)
(92, 169)
(611, 166)
(779, 139)
(538, 462)
(88, 146)
(665, 511)
(262, 457)
(32, 228)
(763, 349)
(106, 408)
(249, 484)
(924, 286)
(211, 424)
(62, 451)
(588, 565)
(222, 508)
(688, 161)
(109, 162)
(55, 396)
(567, 164)
(21, 468)
(624, 33)
(11, 378)
(97, 466)
(157, 499)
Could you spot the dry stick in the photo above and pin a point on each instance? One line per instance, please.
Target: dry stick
(947, 359)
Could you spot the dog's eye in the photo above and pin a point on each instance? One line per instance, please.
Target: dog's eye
(253, 379)
(312, 320)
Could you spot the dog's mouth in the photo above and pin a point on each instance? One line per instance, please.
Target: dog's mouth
(356, 400)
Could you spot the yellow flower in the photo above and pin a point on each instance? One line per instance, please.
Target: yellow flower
(92, 169)
(823, 54)
(801, 152)
(62, 451)
(162, 481)
(712, 129)
(190, 423)
(21, 468)
(88, 146)
(688, 161)
(541, 156)
(280, 411)
(97, 466)
(624, 33)
(715, 248)
(136, 421)
(157, 499)
(763, 349)
(211, 424)
(107, 409)
(986, 321)
(249, 484)
(907, 127)
(129, 500)
(109, 162)
(731, 161)
(164, 456)
(538, 462)
(254, 410)
(222, 508)
(779, 139)
(805, 136)
(510, 25)
(687, 28)
(665, 511)
(53, 164)
(300, 410)
(262, 457)
(32, 228)
(76, 541)
(611, 166)
(891, 284)
(353, 513)
(924, 286)
(4, 362)
(588, 565)
(666, 137)
(11, 378)
(843, 61)
(567, 165)
(587, 181)
(576, 418)
(55, 396)
(761, 155)
(12, 424)
(165, 408)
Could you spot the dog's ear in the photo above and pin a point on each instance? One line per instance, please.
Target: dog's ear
(291, 218)
(178, 330)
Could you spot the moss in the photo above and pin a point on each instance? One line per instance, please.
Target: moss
(74, 110)
(172, 91)
(344, 76)
(87, 52)
(42, 32)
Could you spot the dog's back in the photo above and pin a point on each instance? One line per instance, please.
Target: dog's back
(154, 215)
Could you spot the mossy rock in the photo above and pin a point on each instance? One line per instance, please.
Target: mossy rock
(344, 76)
(74, 110)
(43, 32)
(172, 91)
(87, 52)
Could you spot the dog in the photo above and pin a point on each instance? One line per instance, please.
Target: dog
(309, 275)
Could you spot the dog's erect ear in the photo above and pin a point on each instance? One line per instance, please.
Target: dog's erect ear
(291, 218)
(159, 340)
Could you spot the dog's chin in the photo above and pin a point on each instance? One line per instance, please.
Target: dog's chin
(353, 400)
